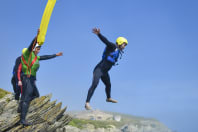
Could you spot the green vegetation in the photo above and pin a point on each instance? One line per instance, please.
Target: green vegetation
(79, 123)
(129, 118)
(125, 119)
(3, 93)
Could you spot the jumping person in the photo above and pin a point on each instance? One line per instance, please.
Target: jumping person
(109, 58)
(30, 65)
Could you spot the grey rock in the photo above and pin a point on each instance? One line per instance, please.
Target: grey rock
(69, 128)
(93, 115)
(122, 123)
(44, 114)
(149, 127)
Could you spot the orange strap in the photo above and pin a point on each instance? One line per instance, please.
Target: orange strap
(32, 49)
(19, 72)
(29, 66)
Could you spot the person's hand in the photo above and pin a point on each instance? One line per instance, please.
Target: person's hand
(38, 31)
(59, 54)
(96, 31)
(19, 83)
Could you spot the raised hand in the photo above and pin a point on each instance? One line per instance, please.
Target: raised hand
(38, 32)
(96, 31)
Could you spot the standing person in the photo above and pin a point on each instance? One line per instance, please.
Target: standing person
(16, 72)
(30, 65)
(109, 58)
(16, 78)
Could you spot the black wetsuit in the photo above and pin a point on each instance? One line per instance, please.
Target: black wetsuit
(30, 90)
(101, 70)
(14, 79)
(33, 87)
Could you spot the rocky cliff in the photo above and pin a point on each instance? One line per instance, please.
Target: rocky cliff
(46, 115)
(100, 121)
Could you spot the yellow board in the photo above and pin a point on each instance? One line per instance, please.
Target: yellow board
(45, 21)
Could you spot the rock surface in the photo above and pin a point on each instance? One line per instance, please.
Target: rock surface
(45, 115)
(93, 115)
(108, 123)
(48, 116)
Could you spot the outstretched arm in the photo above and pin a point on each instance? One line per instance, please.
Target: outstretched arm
(102, 38)
(46, 57)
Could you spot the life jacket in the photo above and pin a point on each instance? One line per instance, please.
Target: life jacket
(111, 56)
(29, 67)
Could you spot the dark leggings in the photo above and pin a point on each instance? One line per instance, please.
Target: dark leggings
(16, 88)
(97, 74)
(29, 93)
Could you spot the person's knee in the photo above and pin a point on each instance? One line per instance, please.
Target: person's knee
(27, 98)
(92, 89)
(95, 83)
(36, 96)
(94, 86)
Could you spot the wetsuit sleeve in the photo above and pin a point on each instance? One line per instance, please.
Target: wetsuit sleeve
(17, 62)
(32, 44)
(106, 41)
(19, 72)
(46, 57)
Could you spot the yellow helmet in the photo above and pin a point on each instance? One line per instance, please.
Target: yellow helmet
(121, 40)
(23, 51)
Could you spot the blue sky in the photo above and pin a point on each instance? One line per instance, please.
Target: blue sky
(156, 77)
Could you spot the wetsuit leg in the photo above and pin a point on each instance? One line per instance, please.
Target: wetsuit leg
(106, 80)
(13, 84)
(16, 88)
(96, 77)
(35, 92)
(26, 96)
